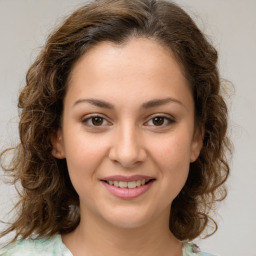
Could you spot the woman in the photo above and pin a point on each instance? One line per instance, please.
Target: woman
(123, 135)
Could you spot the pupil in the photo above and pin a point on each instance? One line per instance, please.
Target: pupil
(158, 121)
(97, 120)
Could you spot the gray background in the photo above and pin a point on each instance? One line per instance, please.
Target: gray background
(231, 27)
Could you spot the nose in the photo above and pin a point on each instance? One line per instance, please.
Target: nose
(127, 147)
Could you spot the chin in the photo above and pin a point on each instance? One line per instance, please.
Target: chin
(129, 220)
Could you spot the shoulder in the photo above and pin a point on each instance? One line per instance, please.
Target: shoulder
(52, 246)
(190, 249)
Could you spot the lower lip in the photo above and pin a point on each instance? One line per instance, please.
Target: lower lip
(127, 193)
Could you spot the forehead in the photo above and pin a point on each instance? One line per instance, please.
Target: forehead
(138, 67)
(143, 53)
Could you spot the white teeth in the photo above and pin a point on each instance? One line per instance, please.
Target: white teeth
(122, 184)
(129, 184)
(138, 183)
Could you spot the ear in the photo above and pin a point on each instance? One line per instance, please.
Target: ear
(57, 145)
(197, 144)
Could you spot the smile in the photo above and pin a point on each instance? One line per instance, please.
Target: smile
(125, 184)
(128, 187)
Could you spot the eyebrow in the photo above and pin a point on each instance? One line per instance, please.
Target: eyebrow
(146, 105)
(159, 102)
(95, 102)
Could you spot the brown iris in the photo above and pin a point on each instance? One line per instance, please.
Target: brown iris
(97, 121)
(158, 120)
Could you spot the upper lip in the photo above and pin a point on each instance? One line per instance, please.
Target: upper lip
(127, 178)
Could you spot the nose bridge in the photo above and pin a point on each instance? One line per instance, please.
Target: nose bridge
(127, 138)
(127, 147)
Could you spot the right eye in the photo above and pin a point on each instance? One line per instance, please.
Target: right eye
(95, 121)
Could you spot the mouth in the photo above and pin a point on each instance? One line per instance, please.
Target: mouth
(128, 184)
(128, 187)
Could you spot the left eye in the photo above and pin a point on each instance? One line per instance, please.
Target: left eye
(95, 121)
(159, 121)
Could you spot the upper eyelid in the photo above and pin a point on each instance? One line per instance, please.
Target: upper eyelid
(94, 115)
(90, 116)
(170, 120)
(148, 117)
(167, 116)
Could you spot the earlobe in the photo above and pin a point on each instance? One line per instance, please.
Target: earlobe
(57, 145)
(197, 144)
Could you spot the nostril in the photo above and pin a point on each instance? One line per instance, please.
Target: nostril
(127, 152)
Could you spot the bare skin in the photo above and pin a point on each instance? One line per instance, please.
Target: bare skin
(124, 242)
(128, 111)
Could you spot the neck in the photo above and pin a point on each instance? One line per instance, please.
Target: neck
(95, 237)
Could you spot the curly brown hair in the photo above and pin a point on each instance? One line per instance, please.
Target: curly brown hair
(48, 202)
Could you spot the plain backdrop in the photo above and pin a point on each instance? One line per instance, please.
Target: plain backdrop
(229, 24)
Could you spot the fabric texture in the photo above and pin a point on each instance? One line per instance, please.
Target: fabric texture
(55, 247)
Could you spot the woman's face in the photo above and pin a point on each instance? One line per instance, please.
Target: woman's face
(128, 132)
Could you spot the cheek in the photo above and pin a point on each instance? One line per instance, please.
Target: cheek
(83, 160)
(172, 157)
(83, 154)
(173, 150)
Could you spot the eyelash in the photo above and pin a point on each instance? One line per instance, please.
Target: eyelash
(167, 121)
(90, 118)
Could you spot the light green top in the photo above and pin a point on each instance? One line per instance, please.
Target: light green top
(55, 247)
